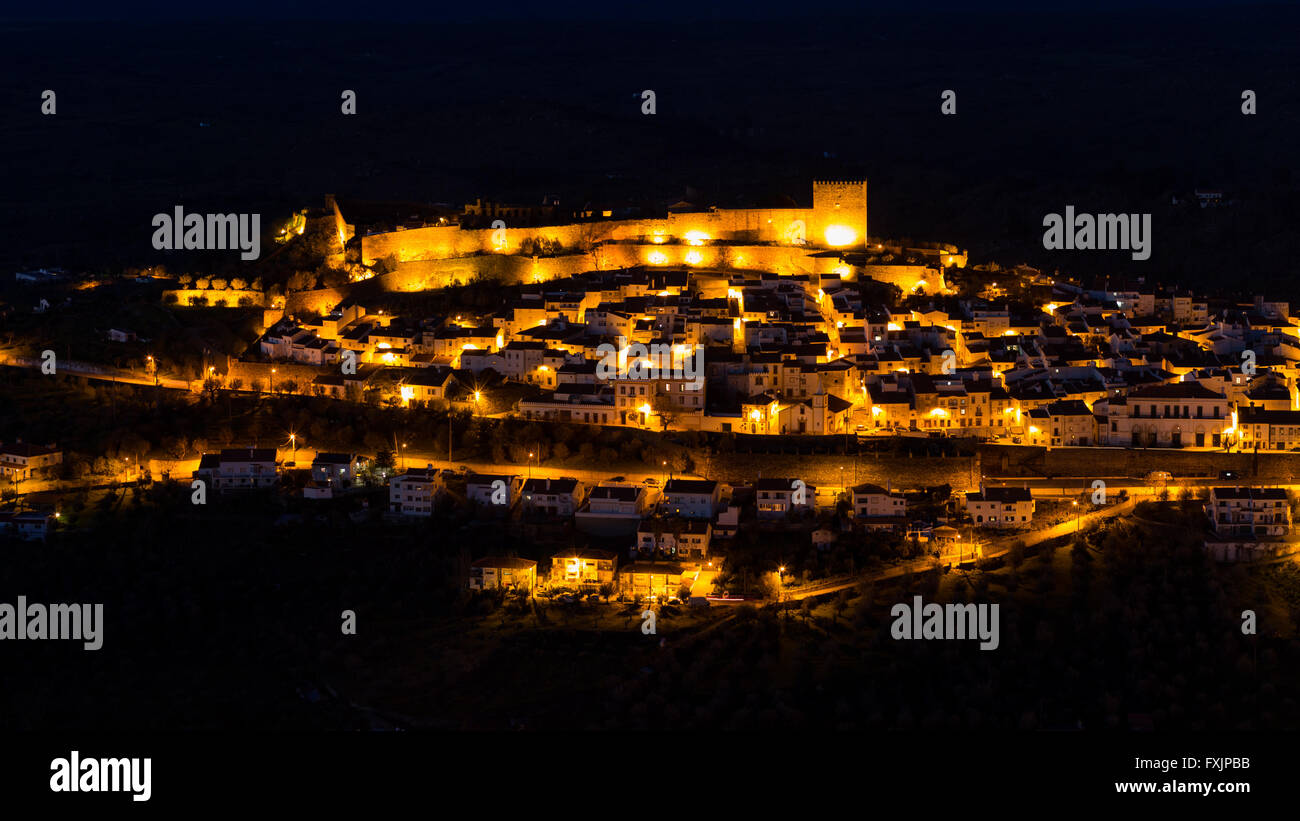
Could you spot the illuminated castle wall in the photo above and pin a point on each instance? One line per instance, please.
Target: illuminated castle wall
(781, 240)
(839, 214)
(838, 219)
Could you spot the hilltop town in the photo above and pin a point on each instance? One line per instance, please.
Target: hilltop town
(790, 325)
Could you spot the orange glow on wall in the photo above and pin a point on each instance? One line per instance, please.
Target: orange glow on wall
(838, 236)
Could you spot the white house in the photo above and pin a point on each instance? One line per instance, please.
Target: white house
(337, 470)
(415, 492)
(553, 497)
(1248, 522)
(493, 490)
(28, 526)
(239, 469)
(1001, 507)
(21, 460)
(502, 571)
(691, 498)
(879, 508)
(778, 498)
(1179, 415)
(613, 508)
(673, 539)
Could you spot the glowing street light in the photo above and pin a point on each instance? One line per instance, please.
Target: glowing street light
(780, 571)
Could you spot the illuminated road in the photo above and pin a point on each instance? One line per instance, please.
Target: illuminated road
(94, 372)
(994, 549)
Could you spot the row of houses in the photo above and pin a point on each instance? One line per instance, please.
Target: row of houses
(801, 352)
(252, 468)
(28, 525)
(21, 460)
(1249, 523)
(591, 572)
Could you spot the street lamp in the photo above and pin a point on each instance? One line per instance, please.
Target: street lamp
(780, 583)
(271, 389)
(530, 465)
(293, 442)
(1077, 513)
(403, 456)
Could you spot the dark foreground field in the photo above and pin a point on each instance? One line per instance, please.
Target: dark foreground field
(216, 619)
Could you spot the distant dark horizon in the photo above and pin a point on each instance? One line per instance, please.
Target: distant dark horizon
(682, 11)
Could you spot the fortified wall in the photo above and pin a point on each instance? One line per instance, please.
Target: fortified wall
(420, 275)
(231, 298)
(838, 219)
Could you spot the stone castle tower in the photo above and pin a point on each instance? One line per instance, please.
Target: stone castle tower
(839, 213)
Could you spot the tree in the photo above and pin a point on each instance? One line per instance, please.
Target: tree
(332, 277)
(301, 281)
(667, 411)
(386, 265)
(176, 447)
(606, 590)
(841, 602)
(384, 458)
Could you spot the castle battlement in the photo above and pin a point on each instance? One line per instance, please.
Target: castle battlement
(836, 221)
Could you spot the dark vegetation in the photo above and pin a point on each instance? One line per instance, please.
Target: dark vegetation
(218, 619)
